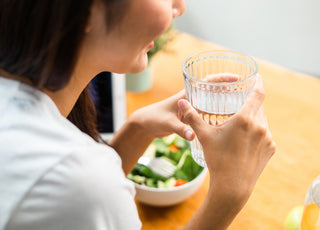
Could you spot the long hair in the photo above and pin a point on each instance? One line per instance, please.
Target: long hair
(40, 40)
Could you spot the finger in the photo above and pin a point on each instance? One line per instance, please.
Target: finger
(222, 77)
(184, 131)
(273, 148)
(272, 145)
(261, 119)
(190, 116)
(255, 98)
(269, 148)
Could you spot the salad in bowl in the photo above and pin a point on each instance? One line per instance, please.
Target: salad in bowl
(187, 176)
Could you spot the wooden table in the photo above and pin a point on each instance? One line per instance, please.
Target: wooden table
(293, 109)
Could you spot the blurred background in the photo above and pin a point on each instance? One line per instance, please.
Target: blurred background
(284, 32)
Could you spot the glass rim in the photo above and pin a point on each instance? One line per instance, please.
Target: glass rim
(220, 51)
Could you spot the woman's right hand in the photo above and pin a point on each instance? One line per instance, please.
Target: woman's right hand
(236, 151)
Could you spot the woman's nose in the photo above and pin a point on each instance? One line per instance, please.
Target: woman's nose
(178, 8)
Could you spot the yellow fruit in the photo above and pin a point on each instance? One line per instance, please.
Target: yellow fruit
(310, 219)
(293, 219)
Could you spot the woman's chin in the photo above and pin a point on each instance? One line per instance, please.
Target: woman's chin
(138, 70)
(134, 67)
(139, 67)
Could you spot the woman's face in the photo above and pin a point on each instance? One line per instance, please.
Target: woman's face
(123, 49)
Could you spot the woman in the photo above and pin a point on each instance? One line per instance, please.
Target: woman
(54, 176)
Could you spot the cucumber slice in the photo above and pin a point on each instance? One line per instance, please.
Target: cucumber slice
(170, 139)
(170, 182)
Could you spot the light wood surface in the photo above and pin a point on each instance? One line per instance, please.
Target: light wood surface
(293, 109)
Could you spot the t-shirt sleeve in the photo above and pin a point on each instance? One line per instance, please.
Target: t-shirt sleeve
(87, 190)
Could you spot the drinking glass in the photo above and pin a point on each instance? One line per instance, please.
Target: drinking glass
(208, 91)
(310, 217)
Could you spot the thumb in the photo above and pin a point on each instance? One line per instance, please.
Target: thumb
(190, 117)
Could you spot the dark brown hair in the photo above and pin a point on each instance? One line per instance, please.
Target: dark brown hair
(40, 40)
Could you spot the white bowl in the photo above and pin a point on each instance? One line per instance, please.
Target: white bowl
(169, 196)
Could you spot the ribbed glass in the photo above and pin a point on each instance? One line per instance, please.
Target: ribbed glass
(217, 101)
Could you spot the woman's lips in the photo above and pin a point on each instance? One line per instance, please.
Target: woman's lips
(150, 45)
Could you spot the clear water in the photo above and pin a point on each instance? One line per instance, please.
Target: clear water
(214, 108)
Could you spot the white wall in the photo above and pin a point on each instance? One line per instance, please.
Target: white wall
(285, 32)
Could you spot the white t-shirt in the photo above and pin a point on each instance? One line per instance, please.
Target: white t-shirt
(53, 176)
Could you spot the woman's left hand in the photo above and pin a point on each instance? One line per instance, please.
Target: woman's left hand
(163, 118)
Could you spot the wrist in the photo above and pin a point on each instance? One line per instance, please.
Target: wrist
(228, 194)
(130, 142)
(218, 210)
(140, 126)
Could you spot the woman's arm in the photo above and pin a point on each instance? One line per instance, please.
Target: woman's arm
(236, 152)
(156, 120)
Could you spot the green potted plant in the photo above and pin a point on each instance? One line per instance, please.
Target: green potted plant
(141, 82)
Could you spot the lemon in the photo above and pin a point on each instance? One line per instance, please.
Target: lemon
(293, 219)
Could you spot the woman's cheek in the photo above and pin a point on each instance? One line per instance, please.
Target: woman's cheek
(164, 24)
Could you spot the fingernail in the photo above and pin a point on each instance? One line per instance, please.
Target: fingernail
(174, 12)
(188, 134)
(182, 105)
